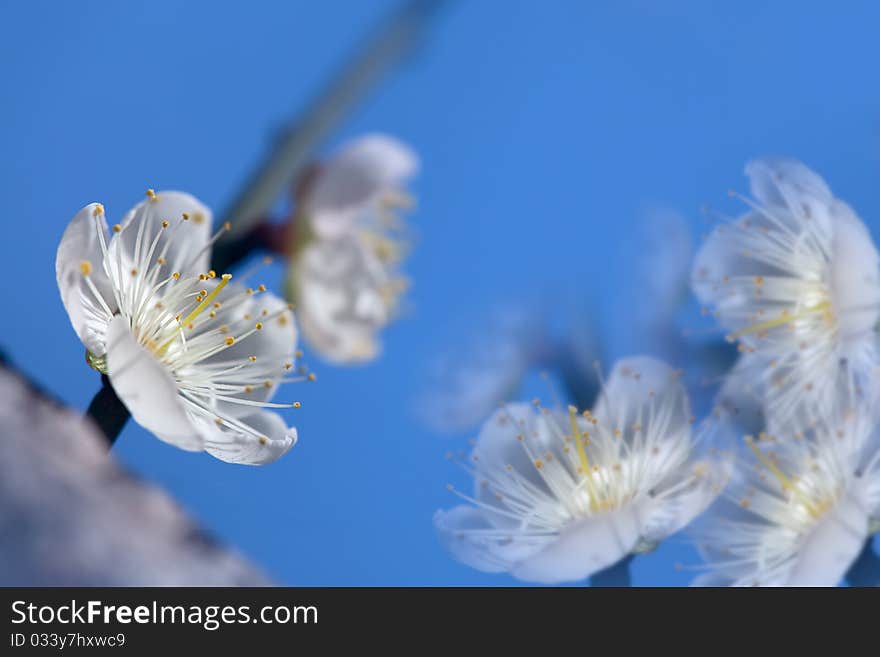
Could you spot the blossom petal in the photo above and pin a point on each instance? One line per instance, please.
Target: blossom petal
(584, 548)
(640, 390)
(855, 281)
(147, 389)
(183, 244)
(662, 516)
(271, 348)
(235, 446)
(78, 253)
(461, 531)
(832, 546)
(339, 302)
(355, 177)
(783, 182)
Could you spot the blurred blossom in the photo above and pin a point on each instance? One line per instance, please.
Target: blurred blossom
(799, 507)
(665, 247)
(348, 243)
(468, 383)
(194, 358)
(560, 496)
(795, 280)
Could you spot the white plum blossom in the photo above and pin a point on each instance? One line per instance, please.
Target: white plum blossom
(560, 496)
(348, 245)
(194, 357)
(795, 281)
(798, 509)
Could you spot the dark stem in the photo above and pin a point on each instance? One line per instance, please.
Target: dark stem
(865, 570)
(228, 253)
(614, 576)
(108, 412)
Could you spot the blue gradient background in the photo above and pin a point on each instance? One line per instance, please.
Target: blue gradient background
(544, 128)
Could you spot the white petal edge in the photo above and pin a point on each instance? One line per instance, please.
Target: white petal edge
(233, 446)
(80, 244)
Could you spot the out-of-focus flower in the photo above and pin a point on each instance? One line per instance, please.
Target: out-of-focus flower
(468, 383)
(662, 276)
(194, 358)
(797, 511)
(349, 241)
(796, 282)
(558, 497)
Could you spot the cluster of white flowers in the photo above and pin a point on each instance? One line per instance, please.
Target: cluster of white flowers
(785, 474)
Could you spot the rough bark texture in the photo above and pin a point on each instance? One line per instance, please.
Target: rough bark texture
(71, 516)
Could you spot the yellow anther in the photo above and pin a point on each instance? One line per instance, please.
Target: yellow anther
(259, 326)
(263, 440)
(185, 216)
(212, 274)
(227, 226)
(261, 288)
(287, 366)
(250, 290)
(164, 224)
(212, 314)
(198, 218)
(134, 272)
(85, 268)
(230, 341)
(216, 304)
(267, 384)
(253, 359)
(298, 353)
(176, 276)
(312, 376)
(117, 228)
(98, 210)
(297, 404)
(539, 463)
(151, 194)
(161, 261)
(248, 388)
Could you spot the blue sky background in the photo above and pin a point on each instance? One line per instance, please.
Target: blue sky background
(545, 129)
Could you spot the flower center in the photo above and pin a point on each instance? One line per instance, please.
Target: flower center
(815, 507)
(206, 301)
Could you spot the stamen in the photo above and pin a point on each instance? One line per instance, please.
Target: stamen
(784, 481)
(582, 456)
(786, 318)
